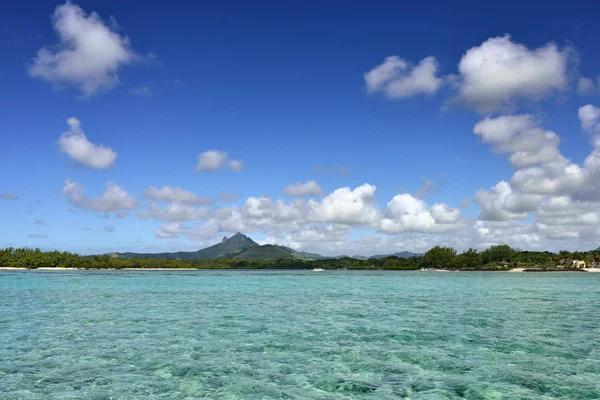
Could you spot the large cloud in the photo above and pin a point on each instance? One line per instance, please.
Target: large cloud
(88, 56)
(561, 197)
(499, 72)
(114, 198)
(397, 78)
(502, 203)
(78, 147)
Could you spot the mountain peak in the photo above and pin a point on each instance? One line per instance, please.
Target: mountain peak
(225, 238)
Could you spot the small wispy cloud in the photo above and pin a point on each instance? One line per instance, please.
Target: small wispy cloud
(430, 186)
(8, 196)
(40, 222)
(37, 236)
(142, 91)
(336, 169)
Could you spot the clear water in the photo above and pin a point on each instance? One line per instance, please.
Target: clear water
(299, 335)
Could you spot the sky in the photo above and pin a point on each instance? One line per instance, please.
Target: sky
(353, 128)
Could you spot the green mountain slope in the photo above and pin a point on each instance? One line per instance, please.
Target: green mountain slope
(266, 252)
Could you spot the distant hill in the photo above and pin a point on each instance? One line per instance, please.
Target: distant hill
(241, 247)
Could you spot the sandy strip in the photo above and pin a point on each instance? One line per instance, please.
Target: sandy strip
(12, 269)
(517, 270)
(160, 269)
(592, 269)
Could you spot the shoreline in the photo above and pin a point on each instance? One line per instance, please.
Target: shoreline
(514, 270)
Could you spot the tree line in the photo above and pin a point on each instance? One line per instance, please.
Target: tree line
(498, 257)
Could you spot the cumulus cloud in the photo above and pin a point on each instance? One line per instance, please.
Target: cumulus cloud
(175, 194)
(78, 147)
(560, 196)
(8, 196)
(300, 221)
(213, 160)
(589, 116)
(499, 72)
(174, 212)
(170, 230)
(397, 78)
(521, 136)
(407, 213)
(309, 188)
(89, 53)
(114, 199)
(346, 206)
(502, 203)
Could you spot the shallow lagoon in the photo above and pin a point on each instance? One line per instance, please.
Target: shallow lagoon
(299, 335)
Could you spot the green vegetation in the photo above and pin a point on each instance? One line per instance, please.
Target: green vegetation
(265, 257)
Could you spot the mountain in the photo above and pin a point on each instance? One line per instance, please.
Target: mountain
(227, 247)
(241, 247)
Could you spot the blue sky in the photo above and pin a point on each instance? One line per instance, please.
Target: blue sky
(342, 98)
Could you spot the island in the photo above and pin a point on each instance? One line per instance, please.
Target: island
(241, 252)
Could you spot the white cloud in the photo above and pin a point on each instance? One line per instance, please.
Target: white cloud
(114, 198)
(88, 56)
(521, 136)
(346, 206)
(235, 165)
(78, 147)
(407, 213)
(174, 212)
(397, 78)
(500, 72)
(9, 196)
(142, 91)
(213, 160)
(589, 116)
(586, 86)
(502, 203)
(175, 194)
(309, 188)
(170, 230)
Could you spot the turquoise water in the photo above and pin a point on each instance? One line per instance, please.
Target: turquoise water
(299, 335)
